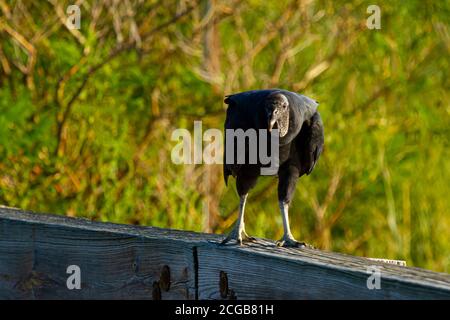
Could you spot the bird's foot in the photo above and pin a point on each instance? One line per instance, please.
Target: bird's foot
(239, 235)
(290, 242)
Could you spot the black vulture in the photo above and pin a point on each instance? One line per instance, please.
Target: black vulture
(301, 140)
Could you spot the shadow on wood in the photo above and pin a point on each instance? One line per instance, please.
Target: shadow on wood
(131, 262)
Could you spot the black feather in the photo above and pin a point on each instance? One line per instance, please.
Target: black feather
(300, 148)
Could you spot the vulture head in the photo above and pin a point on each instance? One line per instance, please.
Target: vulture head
(277, 112)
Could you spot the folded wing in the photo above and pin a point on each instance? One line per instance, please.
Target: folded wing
(310, 143)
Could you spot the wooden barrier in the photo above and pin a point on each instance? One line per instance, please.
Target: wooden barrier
(131, 262)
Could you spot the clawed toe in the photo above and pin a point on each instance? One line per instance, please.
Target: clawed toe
(239, 241)
(240, 238)
(248, 238)
(292, 243)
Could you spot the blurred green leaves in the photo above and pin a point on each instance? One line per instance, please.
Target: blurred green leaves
(381, 188)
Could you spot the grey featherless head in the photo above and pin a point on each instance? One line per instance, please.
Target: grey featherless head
(277, 108)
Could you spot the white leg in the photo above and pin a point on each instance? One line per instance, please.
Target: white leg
(288, 239)
(238, 233)
(284, 208)
(240, 222)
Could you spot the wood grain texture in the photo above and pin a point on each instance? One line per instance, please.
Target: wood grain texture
(132, 262)
(263, 271)
(115, 262)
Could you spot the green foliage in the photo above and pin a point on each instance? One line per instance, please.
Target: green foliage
(381, 188)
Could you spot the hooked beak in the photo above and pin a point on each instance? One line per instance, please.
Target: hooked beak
(271, 123)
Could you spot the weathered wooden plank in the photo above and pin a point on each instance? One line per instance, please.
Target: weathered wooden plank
(35, 251)
(263, 271)
(122, 262)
